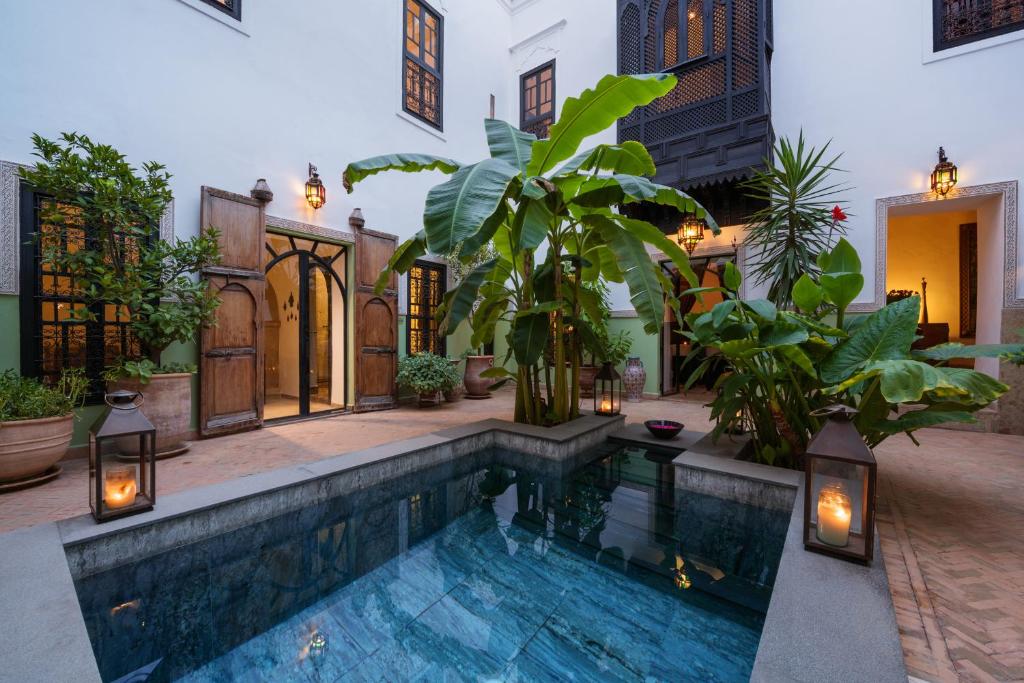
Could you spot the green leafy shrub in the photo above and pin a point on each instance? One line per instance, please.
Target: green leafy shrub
(91, 187)
(143, 370)
(785, 364)
(26, 398)
(427, 373)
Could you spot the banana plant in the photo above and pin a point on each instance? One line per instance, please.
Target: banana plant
(785, 364)
(552, 214)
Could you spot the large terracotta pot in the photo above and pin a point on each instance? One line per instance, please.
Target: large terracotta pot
(587, 375)
(28, 448)
(168, 405)
(634, 378)
(476, 386)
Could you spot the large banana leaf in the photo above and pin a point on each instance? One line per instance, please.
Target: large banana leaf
(536, 221)
(508, 143)
(639, 271)
(657, 239)
(630, 157)
(593, 111)
(409, 163)
(485, 234)
(461, 299)
(403, 258)
(917, 419)
(621, 188)
(885, 335)
(529, 336)
(457, 209)
(911, 381)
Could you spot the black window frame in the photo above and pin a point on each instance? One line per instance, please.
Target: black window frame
(235, 11)
(526, 124)
(430, 310)
(32, 298)
(437, 72)
(939, 43)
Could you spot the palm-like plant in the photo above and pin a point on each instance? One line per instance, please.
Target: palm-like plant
(795, 223)
(551, 215)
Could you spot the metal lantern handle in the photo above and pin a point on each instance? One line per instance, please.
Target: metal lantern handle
(137, 400)
(837, 410)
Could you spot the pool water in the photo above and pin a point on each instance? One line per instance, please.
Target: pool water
(472, 571)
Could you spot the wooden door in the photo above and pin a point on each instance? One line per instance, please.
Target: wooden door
(231, 352)
(376, 323)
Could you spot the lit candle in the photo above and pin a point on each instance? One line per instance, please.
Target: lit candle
(833, 516)
(606, 405)
(119, 486)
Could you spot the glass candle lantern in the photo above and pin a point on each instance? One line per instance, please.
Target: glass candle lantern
(119, 484)
(839, 489)
(944, 176)
(607, 391)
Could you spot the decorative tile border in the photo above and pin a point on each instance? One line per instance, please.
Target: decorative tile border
(10, 225)
(1006, 190)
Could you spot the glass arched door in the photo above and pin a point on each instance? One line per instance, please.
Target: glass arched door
(305, 365)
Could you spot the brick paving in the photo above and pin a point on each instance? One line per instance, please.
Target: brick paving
(951, 518)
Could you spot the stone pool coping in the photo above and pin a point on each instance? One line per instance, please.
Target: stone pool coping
(828, 619)
(42, 631)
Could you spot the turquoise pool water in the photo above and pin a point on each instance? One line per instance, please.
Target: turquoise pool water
(477, 571)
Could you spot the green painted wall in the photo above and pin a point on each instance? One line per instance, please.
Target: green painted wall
(10, 352)
(646, 346)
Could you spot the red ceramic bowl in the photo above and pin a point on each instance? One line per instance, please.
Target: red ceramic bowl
(663, 429)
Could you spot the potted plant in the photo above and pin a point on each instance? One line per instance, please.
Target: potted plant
(592, 347)
(36, 424)
(123, 266)
(426, 374)
(456, 392)
(477, 362)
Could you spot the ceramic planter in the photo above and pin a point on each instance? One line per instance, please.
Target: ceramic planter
(476, 386)
(634, 378)
(168, 405)
(428, 398)
(587, 375)
(29, 449)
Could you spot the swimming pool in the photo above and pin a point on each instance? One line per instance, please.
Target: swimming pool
(491, 567)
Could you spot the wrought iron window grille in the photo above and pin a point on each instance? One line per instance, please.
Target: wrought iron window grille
(423, 63)
(232, 8)
(959, 22)
(427, 285)
(537, 100)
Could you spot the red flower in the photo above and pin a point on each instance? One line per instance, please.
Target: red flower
(837, 214)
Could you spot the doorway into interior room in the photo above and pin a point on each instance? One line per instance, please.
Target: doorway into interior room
(305, 366)
(677, 362)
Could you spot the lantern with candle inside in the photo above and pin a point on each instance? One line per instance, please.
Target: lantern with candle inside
(121, 485)
(607, 391)
(839, 489)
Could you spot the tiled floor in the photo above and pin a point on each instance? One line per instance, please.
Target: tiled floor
(951, 518)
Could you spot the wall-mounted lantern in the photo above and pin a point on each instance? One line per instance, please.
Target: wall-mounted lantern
(316, 193)
(118, 487)
(607, 391)
(839, 489)
(944, 176)
(691, 232)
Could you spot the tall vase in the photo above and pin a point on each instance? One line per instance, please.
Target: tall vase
(476, 386)
(634, 379)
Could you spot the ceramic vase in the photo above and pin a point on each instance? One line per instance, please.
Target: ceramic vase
(634, 379)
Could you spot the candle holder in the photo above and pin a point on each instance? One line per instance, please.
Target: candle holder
(839, 489)
(118, 488)
(607, 391)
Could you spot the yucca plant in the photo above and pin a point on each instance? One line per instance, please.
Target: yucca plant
(551, 213)
(797, 221)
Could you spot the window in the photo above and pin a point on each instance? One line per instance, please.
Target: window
(232, 8)
(423, 34)
(426, 291)
(51, 338)
(673, 51)
(537, 100)
(958, 22)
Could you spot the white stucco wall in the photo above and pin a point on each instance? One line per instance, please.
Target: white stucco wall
(864, 75)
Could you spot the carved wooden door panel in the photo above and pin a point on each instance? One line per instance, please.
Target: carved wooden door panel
(376, 323)
(231, 352)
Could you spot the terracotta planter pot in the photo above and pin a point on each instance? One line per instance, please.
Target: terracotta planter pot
(428, 398)
(455, 393)
(587, 375)
(168, 405)
(476, 386)
(28, 448)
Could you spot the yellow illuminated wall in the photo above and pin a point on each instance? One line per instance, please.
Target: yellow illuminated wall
(928, 245)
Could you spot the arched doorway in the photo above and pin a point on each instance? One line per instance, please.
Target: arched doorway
(306, 363)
